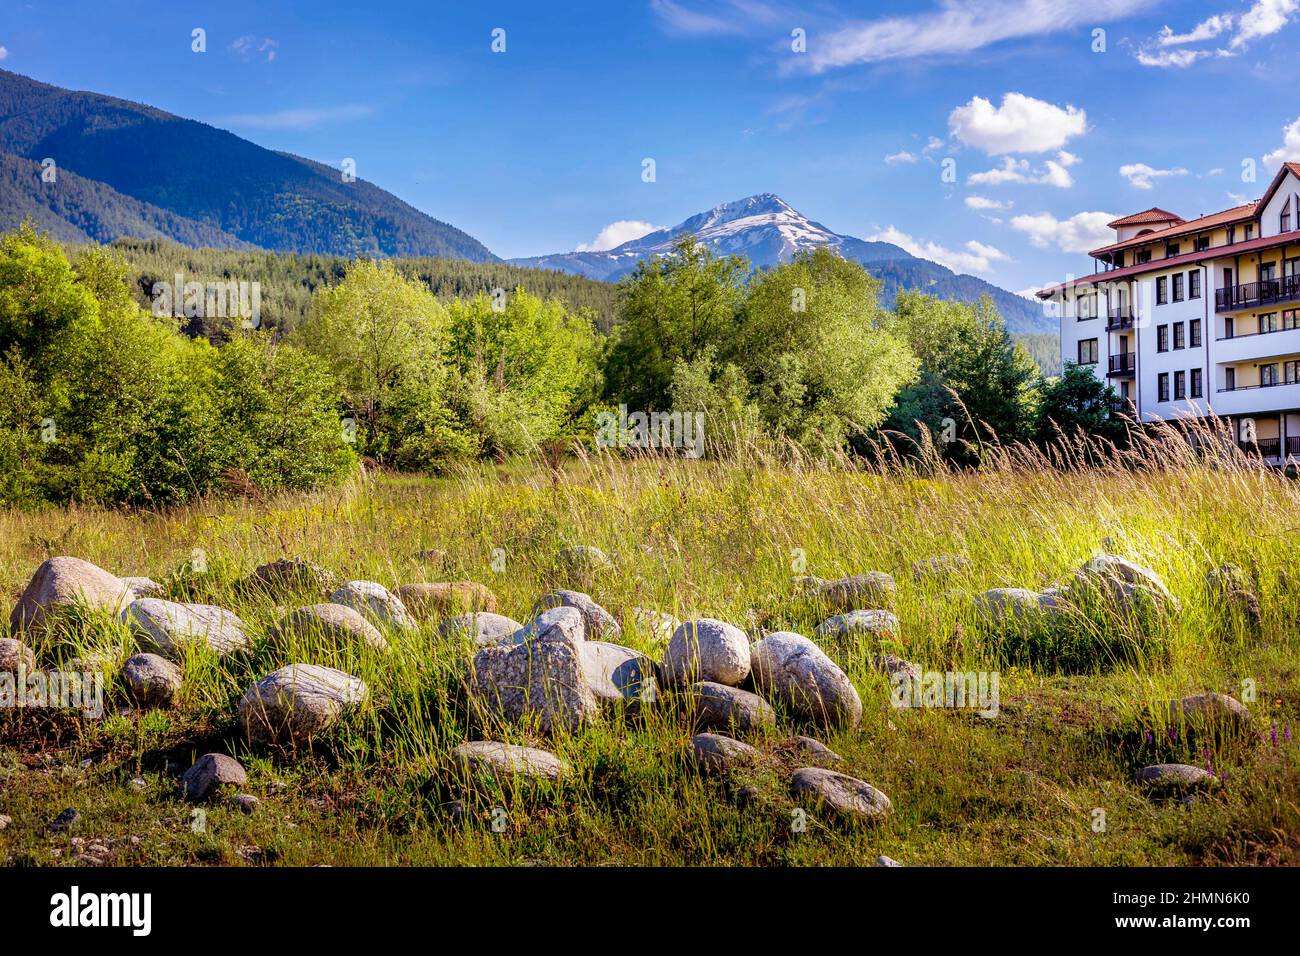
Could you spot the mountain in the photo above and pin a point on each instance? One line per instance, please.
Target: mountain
(219, 189)
(767, 230)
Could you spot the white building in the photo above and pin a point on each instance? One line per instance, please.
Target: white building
(1195, 317)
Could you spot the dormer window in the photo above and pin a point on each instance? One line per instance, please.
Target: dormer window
(1284, 222)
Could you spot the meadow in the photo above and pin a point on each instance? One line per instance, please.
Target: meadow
(1048, 781)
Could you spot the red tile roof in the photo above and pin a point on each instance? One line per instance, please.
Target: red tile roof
(1154, 214)
(1173, 262)
(1182, 228)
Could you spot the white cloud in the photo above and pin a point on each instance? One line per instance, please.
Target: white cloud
(972, 257)
(983, 203)
(932, 144)
(1177, 59)
(956, 26)
(617, 233)
(250, 47)
(1082, 232)
(1142, 176)
(902, 156)
(1054, 172)
(305, 118)
(1264, 19)
(736, 17)
(1289, 151)
(1021, 124)
(1205, 30)
(4, 53)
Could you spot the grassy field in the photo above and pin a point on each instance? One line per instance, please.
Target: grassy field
(700, 539)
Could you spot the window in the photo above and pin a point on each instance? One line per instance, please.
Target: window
(1232, 234)
(1229, 379)
(1196, 383)
(1162, 387)
(1178, 287)
(1250, 230)
(1124, 390)
(1087, 351)
(1142, 255)
(1194, 284)
(1180, 386)
(1269, 323)
(1162, 338)
(1194, 328)
(1162, 290)
(1202, 243)
(1087, 306)
(1289, 318)
(1268, 374)
(1179, 339)
(1171, 249)
(1291, 372)
(1284, 220)
(1228, 330)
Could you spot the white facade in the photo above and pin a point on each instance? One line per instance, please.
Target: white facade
(1200, 317)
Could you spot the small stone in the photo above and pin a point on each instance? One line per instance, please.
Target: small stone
(793, 670)
(286, 577)
(540, 682)
(340, 626)
(883, 860)
(657, 625)
(895, 668)
(484, 627)
(1175, 777)
(599, 623)
(874, 589)
(443, 599)
(152, 681)
(814, 750)
(1210, 710)
(850, 797)
(211, 770)
(138, 783)
(509, 761)
(717, 753)
(1228, 578)
(168, 628)
(710, 650)
(583, 560)
(63, 583)
(244, 802)
(375, 603)
(719, 707)
(65, 820)
(1245, 606)
(5, 821)
(618, 674)
(16, 656)
(143, 587)
(872, 622)
(564, 623)
(297, 702)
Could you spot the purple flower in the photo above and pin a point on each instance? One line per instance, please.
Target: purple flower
(1273, 734)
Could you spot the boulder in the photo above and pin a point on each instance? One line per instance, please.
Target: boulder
(210, 771)
(1209, 711)
(286, 577)
(814, 751)
(599, 622)
(618, 674)
(144, 587)
(719, 707)
(483, 627)
(375, 603)
(999, 605)
(657, 625)
(565, 621)
(792, 669)
(941, 567)
(851, 798)
(1113, 566)
(340, 626)
(1175, 778)
(583, 559)
(539, 683)
(875, 623)
(444, 599)
(1228, 578)
(16, 656)
(298, 702)
(707, 649)
(874, 589)
(168, 628)
(892, 666)
(505, 762)
(152, 681)
(61, 584)
(717, 753)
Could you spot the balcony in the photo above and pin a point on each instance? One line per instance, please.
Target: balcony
(1293, 447)
(1266, 447)
(1254, 295)
(1121, 318)
(1124, 364)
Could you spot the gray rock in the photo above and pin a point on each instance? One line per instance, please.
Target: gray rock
(792, 669)
(847, 796)
(375, 603)
(814, 751)
(719, 707)
(483, 627)
(1175, 777)
(16, 656)
(61, 584)
(717, 753)
(565, 623)
(143, 587)
(583, 559)
(539, 683)
(152, 681)
(883, 860)
(444, 599)
(1015, 604)
(66, 820)
(618, 674)
(599, 622)
(940, 567)
(892, 666)
(5, 821)
(168, 628)
(874, 589)
(286, 577)
(209, 771)
(1228, 578)
(245, 802)
(876, 623)
(707, 649)
(657, 625)
(1210, 710)
(297, 702)
(508, 761)
(1113, 566)
(338, 625)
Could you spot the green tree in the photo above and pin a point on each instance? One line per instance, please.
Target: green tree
(1078, 401)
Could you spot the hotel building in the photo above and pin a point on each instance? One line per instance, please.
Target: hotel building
(1196, 317)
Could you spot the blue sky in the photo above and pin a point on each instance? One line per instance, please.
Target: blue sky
(539, 148)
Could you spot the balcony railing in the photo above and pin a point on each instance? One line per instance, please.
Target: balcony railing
(1123, 364)
(1293, 447)
(1253, 295)
(1247, 388)
(1267, 447)
(1121, 318)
